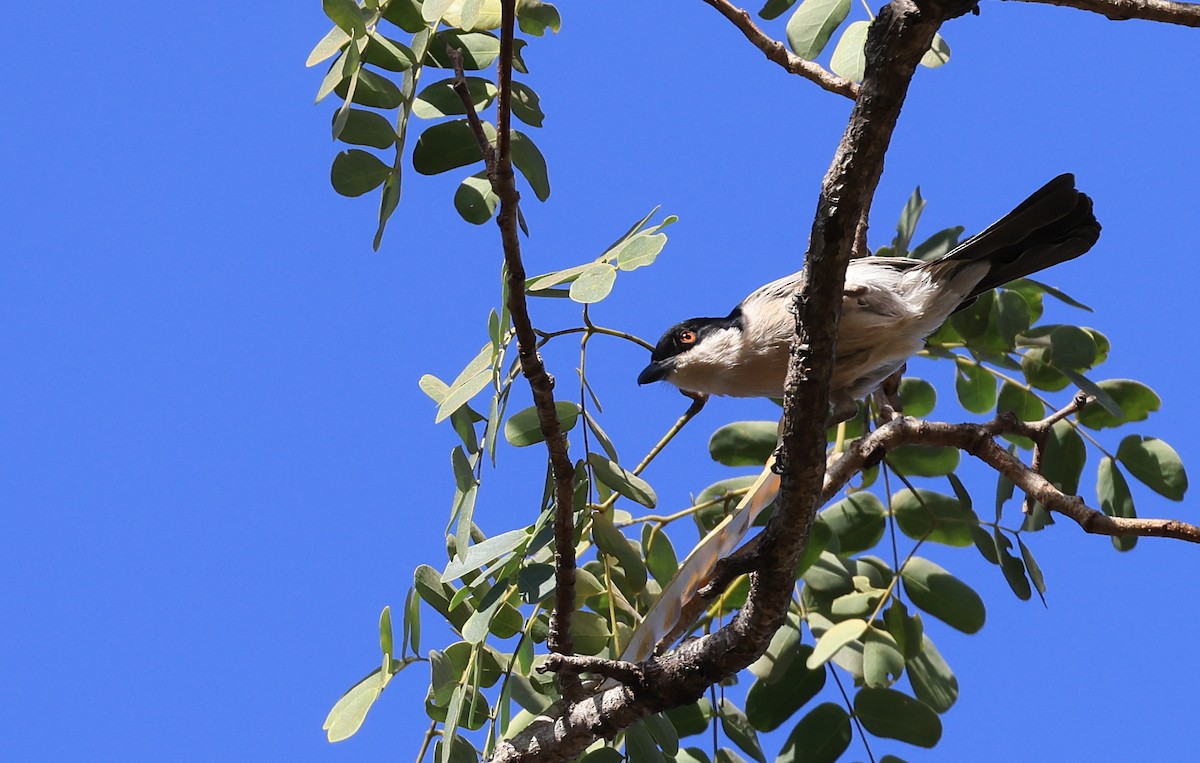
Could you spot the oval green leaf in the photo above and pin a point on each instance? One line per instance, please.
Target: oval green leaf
(893, 715)
(937, 592)
(813, 23)
(858, 520)
(355, 172)
(744, 443)
(524, 428)
(925, 514)
(624, 482)
(834, 639)
(821, 736)
(1155, 464)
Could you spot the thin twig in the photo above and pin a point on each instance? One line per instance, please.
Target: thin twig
(464, 94)
(541, 383)
(1184, 14)
(777, 52)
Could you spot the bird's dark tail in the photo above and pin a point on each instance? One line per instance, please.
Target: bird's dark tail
(1053, 225)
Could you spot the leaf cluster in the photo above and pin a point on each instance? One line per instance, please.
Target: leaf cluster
(378, 79)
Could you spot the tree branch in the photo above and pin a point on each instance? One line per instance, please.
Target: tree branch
(775, 51)
(979, 441)
(500, 173)
(1184, 14)
(898, 38)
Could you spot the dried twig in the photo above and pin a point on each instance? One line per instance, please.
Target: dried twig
(777, 52)
(1184, 14)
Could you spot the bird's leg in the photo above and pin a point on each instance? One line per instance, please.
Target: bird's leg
(887, 395)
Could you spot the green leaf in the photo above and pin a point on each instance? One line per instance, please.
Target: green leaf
(937, 245)
(660, 554)
(529, 160)
(624, 482)
(535, 17)
(663, 733)
(356, 172)
(1064, 457)
(602, 755)
(976, 387)
(594, 283)
(366, 128)
(775, 8)
(1136, 400)
(890, 714)
(924, 514)
(637, 252)
(923, 460)
(1023, 404)
(437, 594)
(744, 443)
(405, 14)
(1034, 569)
(526, 106)
(1155, 464)
(447, 146)
(1071, 348)
(848, 59)
(739, 731)
(1090, 387)
(1039, 373)
(907, 226)
(524, 428)
(1012, 316)
(372, 90)
(821, 736)
(813, 23)
(858, 521)
(386, 637)
(328, 46)
(691, 719)
(723, 491)
(904, 628)
(590, 632)
(479, 49)
(1115, 498)
(613, 542)
(1012, 567)
(834, 639)
(461, 751)
(475, 200)
(932, 679)
(937, 592)
(917, 396)
(348, 713)
(412, 620)
(770, 703)
(346, 15)
(882, 662)
(388, 54)
(433, 10)
(483, 553)
(938, 53)
(469, 383)
(441, 100)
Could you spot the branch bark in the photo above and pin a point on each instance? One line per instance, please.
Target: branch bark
(500, 173)
(1184, 14)
(775, 51)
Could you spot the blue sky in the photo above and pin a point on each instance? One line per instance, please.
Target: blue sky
(218, 466)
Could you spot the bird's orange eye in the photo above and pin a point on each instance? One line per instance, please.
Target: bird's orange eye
(687, 337)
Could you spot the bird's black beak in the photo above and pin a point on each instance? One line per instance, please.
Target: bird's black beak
(656, 371)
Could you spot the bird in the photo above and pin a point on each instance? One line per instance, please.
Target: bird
(890, 305)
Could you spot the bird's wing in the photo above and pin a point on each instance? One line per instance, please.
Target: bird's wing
(680, 603)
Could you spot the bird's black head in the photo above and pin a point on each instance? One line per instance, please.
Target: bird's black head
(679, 339)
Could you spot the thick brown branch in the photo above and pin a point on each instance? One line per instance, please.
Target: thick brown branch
(1185, 14)
(775, 51)
(898, 38)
